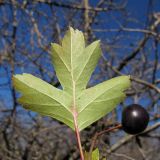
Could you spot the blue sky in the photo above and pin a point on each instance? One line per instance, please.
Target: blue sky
(137, 9)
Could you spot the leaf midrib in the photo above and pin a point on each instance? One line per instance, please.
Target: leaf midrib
(73, 82)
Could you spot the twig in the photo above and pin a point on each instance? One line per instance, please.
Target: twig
(78, 7)
(86, 17)
(99, 134)
(127, 30)
(134, 53)
(123, 155)
(150, 85)
(130, 137)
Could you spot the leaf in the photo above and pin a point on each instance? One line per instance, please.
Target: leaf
(74, 105)
(97, 101)
(73, 62)
(41, 97)
(95, 155)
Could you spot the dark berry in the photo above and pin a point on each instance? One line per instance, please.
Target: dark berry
(134, 119)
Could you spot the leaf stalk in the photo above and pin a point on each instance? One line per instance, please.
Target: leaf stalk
(78, 138)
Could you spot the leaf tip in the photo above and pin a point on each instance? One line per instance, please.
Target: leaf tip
(70, 28)
(14, 78)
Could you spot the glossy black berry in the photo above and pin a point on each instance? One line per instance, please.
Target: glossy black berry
(134, 119)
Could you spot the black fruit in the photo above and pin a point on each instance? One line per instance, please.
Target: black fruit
(134, 119)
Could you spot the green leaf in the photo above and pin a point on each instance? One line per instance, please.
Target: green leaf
(74, 105)
(73, 62)
(95, 155)
(97, 101)
(41, 97)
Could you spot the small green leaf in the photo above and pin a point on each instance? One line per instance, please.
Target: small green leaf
(74, 105)
(95, 155)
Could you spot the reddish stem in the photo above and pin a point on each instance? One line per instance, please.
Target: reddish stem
(99, 134)
(78, 138)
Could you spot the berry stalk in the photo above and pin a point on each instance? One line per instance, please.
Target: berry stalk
(99, 134)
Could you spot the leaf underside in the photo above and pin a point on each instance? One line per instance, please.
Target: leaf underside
(74, 63)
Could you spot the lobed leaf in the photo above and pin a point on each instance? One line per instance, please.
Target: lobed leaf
(74, 105)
